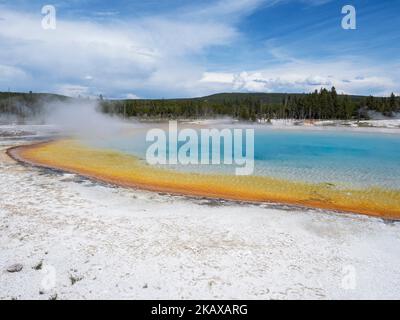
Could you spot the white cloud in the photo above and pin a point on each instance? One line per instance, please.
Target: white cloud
(304, 76)
(114, 56)
(163, 56)
(131, 96)
(73, 90)
(218, 77)
(225, 9)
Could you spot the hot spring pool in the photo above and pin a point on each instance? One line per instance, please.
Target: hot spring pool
(345, 171)
(356, 159)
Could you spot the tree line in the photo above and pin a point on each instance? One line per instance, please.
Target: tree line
(323, 104)
(26, 105)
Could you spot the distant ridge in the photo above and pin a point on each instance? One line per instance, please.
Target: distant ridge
(39, 95)
(323, 104)
(262, 96)
(273, 97)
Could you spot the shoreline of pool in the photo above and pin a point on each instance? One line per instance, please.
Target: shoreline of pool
(23, 154)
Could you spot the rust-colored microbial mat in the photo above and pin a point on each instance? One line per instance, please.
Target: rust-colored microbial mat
(129, 171)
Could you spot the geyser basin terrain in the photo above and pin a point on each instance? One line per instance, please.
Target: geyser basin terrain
(348, 172)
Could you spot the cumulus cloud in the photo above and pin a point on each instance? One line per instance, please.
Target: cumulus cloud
(116, 56)
(304, 76)
(131, 96)
(162, 55)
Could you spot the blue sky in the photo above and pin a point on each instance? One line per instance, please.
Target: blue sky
(179, 48)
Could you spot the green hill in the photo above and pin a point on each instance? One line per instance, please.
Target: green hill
(324, 104)
(272, 98)
(26, 104)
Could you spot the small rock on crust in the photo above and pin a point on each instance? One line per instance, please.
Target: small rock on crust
(15, 268)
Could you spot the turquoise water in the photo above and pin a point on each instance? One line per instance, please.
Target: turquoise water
(362, 159)
(343, 158)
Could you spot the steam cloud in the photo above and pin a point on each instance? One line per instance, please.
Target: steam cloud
(83, 119)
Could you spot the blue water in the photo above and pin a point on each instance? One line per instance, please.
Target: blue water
(362, 159)
(343, 158)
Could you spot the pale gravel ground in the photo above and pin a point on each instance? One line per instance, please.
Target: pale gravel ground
(133, 244)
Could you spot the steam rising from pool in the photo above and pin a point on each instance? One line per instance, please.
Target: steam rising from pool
(84, 120)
